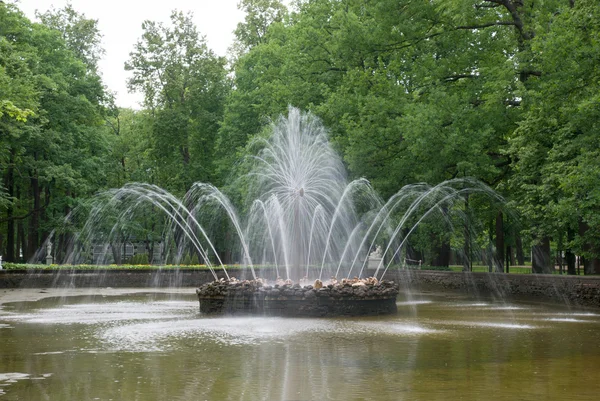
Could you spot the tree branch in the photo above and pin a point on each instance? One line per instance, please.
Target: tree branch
(39, 209)
(496, 23)
(480, 6)
(527, 73)
(406, 44)
(511, 6)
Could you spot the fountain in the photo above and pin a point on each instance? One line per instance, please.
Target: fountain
(308, 248)
(306, 234)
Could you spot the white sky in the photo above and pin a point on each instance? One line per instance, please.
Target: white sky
(120, 22)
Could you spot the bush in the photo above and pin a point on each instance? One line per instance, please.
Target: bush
(26, 266)
(139, 259)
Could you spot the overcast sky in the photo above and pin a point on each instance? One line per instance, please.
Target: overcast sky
(120, 22)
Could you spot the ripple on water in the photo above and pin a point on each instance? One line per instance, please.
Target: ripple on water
(96, 313)
(498, 325)
(568, 320)
(9, 378)
(152, 336)
(484, 306)
(576, 314)
(410, 303)
(148, 336)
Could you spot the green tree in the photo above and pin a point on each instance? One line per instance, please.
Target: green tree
(422, 91)
(184, 86)
(80, 34)
(131, 151)
(555, 148)
(59, 152)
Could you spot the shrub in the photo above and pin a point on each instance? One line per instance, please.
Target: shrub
(139, 259)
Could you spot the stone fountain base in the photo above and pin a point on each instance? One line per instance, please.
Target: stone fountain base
(256, 298)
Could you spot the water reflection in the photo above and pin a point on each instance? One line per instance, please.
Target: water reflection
(154, 347)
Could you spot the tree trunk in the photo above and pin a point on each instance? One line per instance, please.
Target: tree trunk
(185, 154)
(520, 254)
(511, 254)
(467, 259)
(65, 245)
(44, 217)
(9, 184)
(490, 255)
(560, 262)
(34, 219)
(559, 259)
(442, 254)
(569, 255)
(150, 250)
(499, 260)
(117, 249)
(591, 265)
(541, 262)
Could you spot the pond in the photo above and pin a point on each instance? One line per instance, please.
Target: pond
(157, 346)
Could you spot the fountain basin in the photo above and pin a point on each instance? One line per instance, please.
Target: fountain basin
(255, 298)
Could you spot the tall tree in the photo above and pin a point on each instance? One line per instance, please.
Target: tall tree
(556, 145)
(59, 151)
(184, 86)
(80, 34)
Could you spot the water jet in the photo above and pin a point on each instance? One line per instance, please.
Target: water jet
(303, 218)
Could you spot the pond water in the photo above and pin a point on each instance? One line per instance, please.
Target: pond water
(152, 346)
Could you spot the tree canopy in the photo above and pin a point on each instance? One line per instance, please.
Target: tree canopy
(503, 91)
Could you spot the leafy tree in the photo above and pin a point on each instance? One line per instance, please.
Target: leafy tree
(80, 34)
(556, 146)
(260, 14)
(184, 85)
(131, 152)
(57, 154)
(424, 91)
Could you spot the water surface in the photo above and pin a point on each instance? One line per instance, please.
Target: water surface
(153, 346)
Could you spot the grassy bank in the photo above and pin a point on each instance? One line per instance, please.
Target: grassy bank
(28, 266)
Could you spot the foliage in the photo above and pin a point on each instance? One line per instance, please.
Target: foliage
(139, 259)
(80, 34)
(30, 266)
(53, 146)
(556, 147)
(504, 91)
(184, 86)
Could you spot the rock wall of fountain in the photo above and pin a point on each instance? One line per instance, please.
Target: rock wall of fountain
(252, 297)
